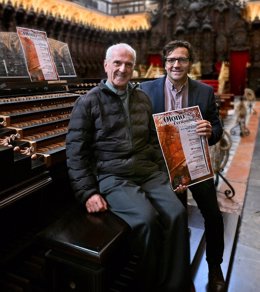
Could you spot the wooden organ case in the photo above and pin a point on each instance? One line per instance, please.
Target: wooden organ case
(39, 248)
(42, 228)
(33, 125)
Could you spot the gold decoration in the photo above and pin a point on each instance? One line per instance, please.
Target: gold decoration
(223, 77)
(79, 14)
(253, 10)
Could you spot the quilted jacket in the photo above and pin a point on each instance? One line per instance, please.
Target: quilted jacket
(101, 141)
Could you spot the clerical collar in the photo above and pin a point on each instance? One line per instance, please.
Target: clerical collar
(115, 90)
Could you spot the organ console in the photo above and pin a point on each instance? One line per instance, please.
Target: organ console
(33, 126)
(38, 244)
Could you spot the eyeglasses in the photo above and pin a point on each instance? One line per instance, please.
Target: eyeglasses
(182, 61)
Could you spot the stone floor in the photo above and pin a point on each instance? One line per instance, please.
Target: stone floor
(242, 171)
(245, 175)
(238, 170)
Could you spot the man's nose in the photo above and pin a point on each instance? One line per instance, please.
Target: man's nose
(176, 62)
(122, 67)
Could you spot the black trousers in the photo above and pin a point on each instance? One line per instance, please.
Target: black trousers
(205, 195)
(159, 228)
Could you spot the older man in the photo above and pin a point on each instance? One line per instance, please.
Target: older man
(114, 162)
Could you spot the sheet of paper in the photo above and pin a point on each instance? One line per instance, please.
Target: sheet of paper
(186, 154)
(37, 53)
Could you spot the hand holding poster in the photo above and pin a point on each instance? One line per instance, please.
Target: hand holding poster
(186, 154)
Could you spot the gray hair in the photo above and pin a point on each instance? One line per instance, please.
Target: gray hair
(111, 49)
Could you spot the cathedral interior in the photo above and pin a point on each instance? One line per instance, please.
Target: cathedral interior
(46, 243)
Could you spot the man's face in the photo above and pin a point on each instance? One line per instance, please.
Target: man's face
(177, 65)
(119, 68)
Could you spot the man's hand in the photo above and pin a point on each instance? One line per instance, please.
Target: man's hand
(96, 203)
(180, 189)
(204, 128)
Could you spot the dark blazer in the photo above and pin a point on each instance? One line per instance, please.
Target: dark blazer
(198, 94)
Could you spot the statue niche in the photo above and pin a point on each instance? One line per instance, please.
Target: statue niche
(239, 36)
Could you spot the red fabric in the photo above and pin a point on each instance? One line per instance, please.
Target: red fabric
(211, 82)
(237, 71)
(155, 59)
(218, 67)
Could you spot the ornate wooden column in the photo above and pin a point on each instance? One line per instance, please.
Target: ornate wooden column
(253, 69)
(20, 14)
(8, 20)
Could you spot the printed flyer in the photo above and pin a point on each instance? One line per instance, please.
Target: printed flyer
(186, 154)
(37, 53)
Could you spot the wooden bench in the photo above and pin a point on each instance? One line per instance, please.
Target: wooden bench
(226, 103)
(212, 82)
(84, 252)
(226, 100)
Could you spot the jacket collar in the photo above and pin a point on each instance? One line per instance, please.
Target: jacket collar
(105, 88)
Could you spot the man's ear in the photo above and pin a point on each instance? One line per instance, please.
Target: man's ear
(105, 65)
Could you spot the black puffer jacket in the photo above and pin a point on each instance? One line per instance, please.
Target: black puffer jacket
(100, 141)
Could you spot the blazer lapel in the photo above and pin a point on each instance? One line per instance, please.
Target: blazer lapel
(158, 96)
(193, 93)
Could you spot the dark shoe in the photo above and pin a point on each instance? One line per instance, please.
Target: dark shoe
(216, 280)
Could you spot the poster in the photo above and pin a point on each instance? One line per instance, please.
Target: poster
(186, 154)
(40, 64)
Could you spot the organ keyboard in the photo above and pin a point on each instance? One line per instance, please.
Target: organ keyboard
(39, 122)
